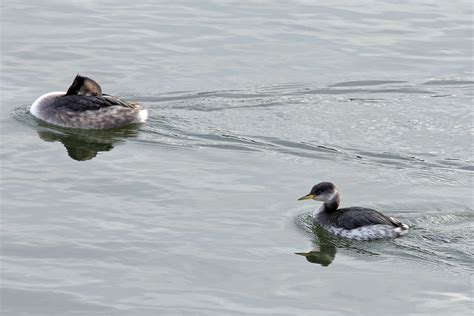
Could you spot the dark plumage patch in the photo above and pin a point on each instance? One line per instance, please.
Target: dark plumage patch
(354, 217)
(80, 103)
(323, 187)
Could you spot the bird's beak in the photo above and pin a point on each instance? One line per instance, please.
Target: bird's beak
(307, 197)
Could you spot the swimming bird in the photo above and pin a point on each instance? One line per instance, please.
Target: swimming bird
(357, 223)
(84, 106)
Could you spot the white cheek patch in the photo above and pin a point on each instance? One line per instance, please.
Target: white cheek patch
(333, 196)
(327, 197)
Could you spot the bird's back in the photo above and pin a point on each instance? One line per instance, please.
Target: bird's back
(354, 217)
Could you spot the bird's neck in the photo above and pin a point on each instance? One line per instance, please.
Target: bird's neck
(331, 204)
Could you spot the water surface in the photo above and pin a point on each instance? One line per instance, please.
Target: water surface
(250, 104)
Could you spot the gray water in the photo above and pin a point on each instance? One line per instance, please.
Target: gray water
(250, 104)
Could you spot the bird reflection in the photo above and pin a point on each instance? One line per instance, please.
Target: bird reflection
(324, 250)
(82, 145)
(325, 245)
(324, 255)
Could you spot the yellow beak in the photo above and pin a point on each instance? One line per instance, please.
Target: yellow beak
(307, 197)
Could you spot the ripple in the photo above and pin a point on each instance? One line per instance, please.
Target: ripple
(365, 83)
(447, 82)
(185, 214)
(172, 122)
(438, 239)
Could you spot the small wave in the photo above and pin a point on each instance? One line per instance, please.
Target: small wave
(401, 90)
(205, 119)
(447, 82)
(366, 83)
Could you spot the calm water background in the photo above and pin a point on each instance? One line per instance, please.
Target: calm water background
(251, 103)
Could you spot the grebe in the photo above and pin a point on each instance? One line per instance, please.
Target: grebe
(84, 106)
(357, 223)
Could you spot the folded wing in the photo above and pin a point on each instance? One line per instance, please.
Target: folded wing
(354, 217)
(80, 103)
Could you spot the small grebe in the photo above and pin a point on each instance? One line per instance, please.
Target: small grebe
(357, 223)
(84, 106)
